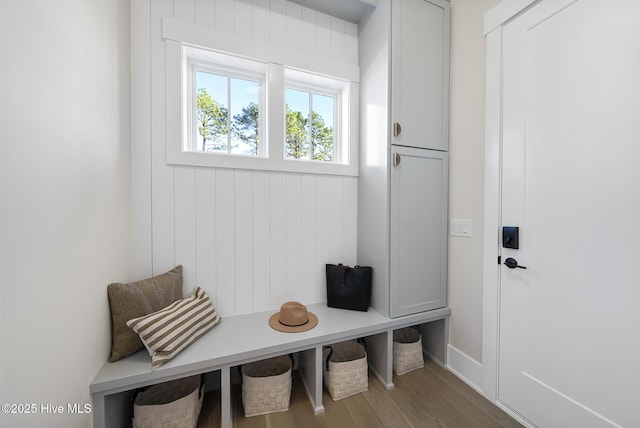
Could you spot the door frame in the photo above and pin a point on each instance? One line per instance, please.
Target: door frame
(494, 21)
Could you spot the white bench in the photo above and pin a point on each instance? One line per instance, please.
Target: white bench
(241, 339)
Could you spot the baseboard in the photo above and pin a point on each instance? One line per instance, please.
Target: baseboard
(380, 378)
(464, 367)
(435, 359)
(514, 415)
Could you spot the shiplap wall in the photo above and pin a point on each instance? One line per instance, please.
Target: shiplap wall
(251, 239)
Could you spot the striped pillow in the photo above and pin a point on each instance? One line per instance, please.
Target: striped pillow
(168, 331)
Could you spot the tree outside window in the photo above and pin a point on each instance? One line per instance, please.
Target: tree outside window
(309, 126)
(227, 114)
(211, 118)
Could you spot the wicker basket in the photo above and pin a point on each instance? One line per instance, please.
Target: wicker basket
(345, 369)
(266, 386)
(173, 404)
(407, 350)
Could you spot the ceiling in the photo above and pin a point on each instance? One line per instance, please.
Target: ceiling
(349, 10)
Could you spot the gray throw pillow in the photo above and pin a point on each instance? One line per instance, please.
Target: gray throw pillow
(135, 299)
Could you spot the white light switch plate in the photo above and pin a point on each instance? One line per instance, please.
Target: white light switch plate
(460, 228)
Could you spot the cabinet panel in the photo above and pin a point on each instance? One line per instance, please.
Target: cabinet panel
(402, 210)
(420, 73)
(418, 230)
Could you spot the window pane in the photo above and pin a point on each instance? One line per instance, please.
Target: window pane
(297, 141)
(211, 112)
(322, 135)
(244, 113)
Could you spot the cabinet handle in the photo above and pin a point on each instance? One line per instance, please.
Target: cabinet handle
(397, 129)
(396, 159)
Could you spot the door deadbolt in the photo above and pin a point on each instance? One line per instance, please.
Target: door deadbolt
(510, 237)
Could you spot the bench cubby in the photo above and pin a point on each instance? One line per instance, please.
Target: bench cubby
(240, 339)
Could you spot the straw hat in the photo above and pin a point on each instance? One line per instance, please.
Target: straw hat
(293, 318)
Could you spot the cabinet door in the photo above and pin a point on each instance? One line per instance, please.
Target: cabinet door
(420, 73)
(418, 230)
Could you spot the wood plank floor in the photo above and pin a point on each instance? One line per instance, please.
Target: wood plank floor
(428, 397)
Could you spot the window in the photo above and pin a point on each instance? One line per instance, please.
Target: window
(227, 114)
(224, 104)
(310, 121)
(313, 119)
(244, 108)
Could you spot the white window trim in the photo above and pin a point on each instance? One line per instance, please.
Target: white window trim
(178, 34)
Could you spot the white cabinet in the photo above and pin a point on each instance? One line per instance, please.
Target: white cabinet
(402, 211)
(417, 232)
(420, 73)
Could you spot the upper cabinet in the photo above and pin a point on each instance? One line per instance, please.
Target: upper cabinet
(420, 73)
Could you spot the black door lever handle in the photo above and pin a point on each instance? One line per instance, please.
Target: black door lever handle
(513, 263)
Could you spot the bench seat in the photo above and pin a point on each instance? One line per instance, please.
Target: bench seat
(240, 339)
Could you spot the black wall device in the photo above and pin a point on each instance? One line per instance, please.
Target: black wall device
(510, 238)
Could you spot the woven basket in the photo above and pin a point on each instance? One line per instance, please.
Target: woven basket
(173, 404)
(407, 350)
(345, 369)
(266, 386)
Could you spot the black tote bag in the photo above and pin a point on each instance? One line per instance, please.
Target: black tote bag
(349, 287)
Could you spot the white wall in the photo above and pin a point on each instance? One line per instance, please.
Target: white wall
(64, 197)
(251, 239)
(466, 172)
(64, 186)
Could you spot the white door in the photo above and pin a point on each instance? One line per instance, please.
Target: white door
(418, 231)
(570, 322)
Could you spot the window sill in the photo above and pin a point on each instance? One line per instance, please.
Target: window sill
(213, 160)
